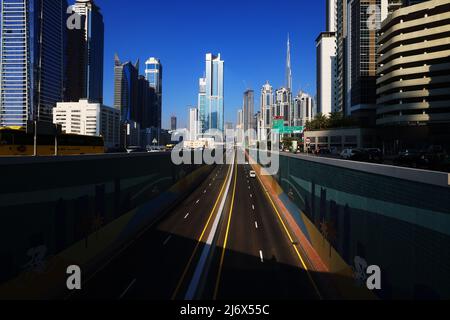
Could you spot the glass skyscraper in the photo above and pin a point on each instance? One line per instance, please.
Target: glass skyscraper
(86, 54)
(211, 96)
(153, 74)
(32, 74)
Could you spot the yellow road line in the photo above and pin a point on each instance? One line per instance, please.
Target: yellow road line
(222, 258)
(177, 289)
(291, 239)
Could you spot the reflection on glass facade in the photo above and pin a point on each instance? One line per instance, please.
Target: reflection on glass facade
(153, 74)
(86, 54)
(211, 99)
(32, 74)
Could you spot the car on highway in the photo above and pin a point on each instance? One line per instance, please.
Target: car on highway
(252, 174)
(375, 155)
(347, 153)
(136, 149)
(356, 155)
(409, 158)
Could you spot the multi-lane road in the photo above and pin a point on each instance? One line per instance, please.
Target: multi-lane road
(227, 240)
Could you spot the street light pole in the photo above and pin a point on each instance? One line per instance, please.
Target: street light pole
(35, 138)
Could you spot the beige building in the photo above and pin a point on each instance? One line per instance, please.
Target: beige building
(413, 85)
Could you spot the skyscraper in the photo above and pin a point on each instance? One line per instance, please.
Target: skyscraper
(248, 108)
(86, 54)
(212, 91)
(173, 123)
(126, 77)
(288, 66)
(32, 73)
(193, 124)
(326, 72)
(364, 20)
(203, 116)
(266, 106)
(154, 74)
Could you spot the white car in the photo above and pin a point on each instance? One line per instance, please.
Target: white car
(347, 153)
(252, 174)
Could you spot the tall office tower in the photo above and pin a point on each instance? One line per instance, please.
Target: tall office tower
(283, 104)
(413, 84)
(154, 74)
(266, 107)
(31, 71)
(173, 123)
(364, 21)
(248, 107)
(240, 127)
(85, 54)
(326, 73)
(304, 105)
(146, 105)
(193, 124)
(202, 113)
(126, 77)
(211, 95)
(288, 66)
(341, 38)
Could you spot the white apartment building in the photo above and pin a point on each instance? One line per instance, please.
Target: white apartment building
(326, 73)
(194, 124)
(303, 109)
(91, 119)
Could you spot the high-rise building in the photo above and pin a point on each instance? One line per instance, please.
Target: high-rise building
(266, 107)
(326, 73)
(283, 103)
(240, 126)
(413, 84)
(193, 124)
(331, 8)
(248, 108)
(211, 95)
(364, 20)
(154, 74)
(85, 54)
(31, 71)
(288, 66)
(126, 77)
(173, 123)
(341, 39)
(304, 108)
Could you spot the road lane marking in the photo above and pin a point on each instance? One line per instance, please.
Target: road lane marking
(186, 216)
(197, 201)
(291, 239)
(253, 206)
(227, 233)
(251, 195)
(199, 270)
(127, 289)
(256, 224)
(177, 289)
(204, 191)
(261, 256)
(167, 240)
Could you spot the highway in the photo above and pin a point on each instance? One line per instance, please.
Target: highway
(225, 241)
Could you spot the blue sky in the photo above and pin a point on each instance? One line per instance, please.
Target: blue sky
(250, 35)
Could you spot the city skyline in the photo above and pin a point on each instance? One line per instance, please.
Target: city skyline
(248, 64)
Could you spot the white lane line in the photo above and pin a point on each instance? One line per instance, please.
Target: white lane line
(256, 224)
(197, 201)
(186, 216)
(251, 196)
(195, 281)
(261, 255)
(210, 184)
(253, 206)
(127, 289)
(167, 240)
(248, 187)
(204, 191)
